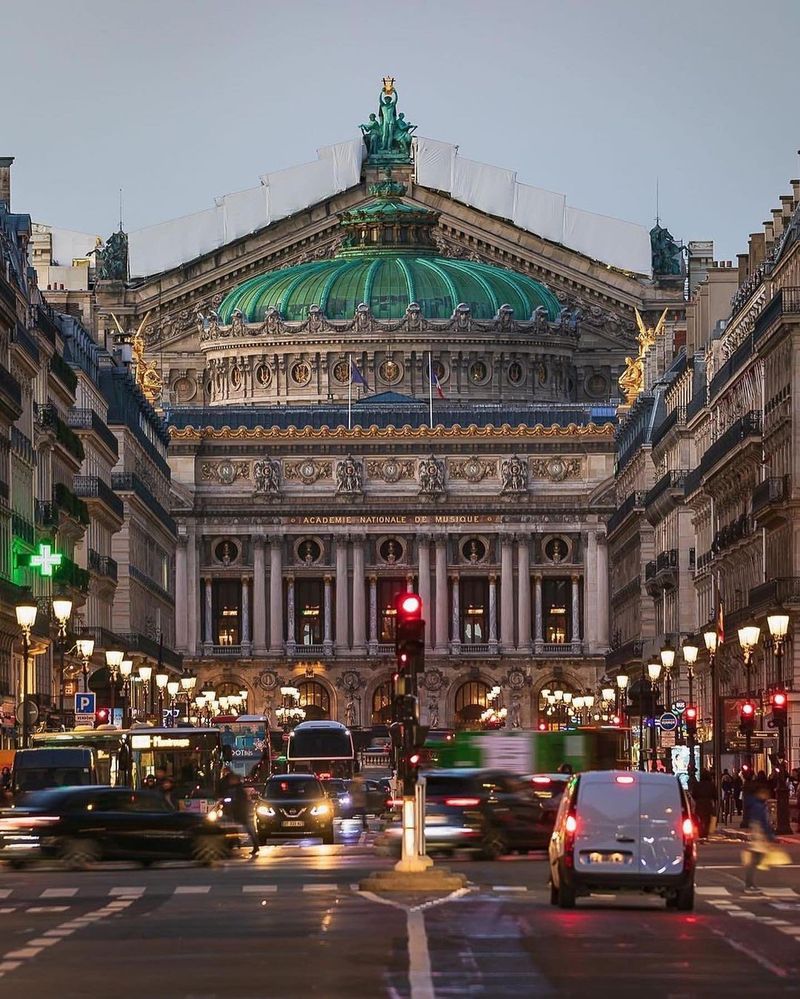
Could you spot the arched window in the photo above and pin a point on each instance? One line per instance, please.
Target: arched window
(382, 704)
(471, 702)
(315, 699)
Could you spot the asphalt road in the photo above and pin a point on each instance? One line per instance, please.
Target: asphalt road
(293, 923)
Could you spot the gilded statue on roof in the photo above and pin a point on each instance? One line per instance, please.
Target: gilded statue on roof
(145, 372)
(631, 381)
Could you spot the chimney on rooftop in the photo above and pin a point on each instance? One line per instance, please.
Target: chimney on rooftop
(5, 180)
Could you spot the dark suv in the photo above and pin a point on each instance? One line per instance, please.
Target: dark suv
(487, 811)
(294, 805)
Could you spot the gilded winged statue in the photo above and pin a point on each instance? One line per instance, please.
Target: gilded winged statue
(145, 372)
(631, 381)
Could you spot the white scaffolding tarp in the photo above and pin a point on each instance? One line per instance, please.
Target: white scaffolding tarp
(69, 245)
(347, 158)
(622, 244)
(298, 187)
(243, 212)
(169, 244)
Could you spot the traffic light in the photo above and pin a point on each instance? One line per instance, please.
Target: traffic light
(747, 718)
(780, 705)
(409, 641)
(690, 719)
(102, 717)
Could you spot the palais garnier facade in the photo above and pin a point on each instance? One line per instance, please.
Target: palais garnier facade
(390, 369)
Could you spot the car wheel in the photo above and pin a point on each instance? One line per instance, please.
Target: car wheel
(684, 899)
(566, 894)
(16, 865)
(208, 850)
(78, 854)
(493, 844)
(327, 837)
(553, 894)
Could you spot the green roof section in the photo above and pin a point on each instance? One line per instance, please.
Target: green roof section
(388, 283)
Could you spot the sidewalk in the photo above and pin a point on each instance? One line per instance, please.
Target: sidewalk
(735, 833)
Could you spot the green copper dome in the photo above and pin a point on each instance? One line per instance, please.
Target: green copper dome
(388, 283)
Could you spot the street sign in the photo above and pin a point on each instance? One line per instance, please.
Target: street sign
(679, 707)
(32, 710)
(668, 722)
(85, 703)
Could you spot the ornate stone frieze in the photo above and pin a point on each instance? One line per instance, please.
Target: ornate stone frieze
(266, 477)
(514, 475)
(556, 469)
(589, 432)
(349, 477)
(473, 469)
(225, 471)
(431, 476)
(390, 469)
(307, 471)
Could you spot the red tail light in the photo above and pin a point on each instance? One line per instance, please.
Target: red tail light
(571, 824)
(462, 802)
(570, 828)
(688, 828)
(541, 780)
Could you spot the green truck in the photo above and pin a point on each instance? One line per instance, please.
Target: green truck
(525, 752)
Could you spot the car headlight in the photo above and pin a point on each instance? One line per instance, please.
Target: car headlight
(345, 799)
(321, 810)
(213, 815)
(265, 810)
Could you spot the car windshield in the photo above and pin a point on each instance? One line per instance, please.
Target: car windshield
(283, 788)
(438, 786)
(335, 787)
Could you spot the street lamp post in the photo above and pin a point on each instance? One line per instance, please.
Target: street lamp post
(125, 670)
(113, 661)
(654, 672)
(145, 672)
(62, 609)
(188, 681)
(748, 639)
(710, 639)
(778, 623)
(173, 686)
(622, 700)
(85, 647)
(667, 656)
(690, 652)
(162, 679)
(26, 618)
(642, 760)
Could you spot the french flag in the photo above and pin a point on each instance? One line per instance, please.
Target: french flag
(356, 377)
(436, 383)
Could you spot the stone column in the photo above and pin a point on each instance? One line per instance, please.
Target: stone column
(456, 624)
(539, 636)
(342, 603)
(246, 643)
(193, 594)
(493, 614)
(507, 595)
(576, 614)
(602, 593)
(291, 643)
(590, 591)
(209, 635)
(441, 596)
(327, 635)
(524, 595)
(276, 636)
(424, 569)
(181, 601)
(259, 598)
(359, 638)
(373, 615)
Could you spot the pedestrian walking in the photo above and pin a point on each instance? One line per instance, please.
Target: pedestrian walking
(738, 784)
(358, 796)
(761, 852)
(241, 810)
(726, 786)
(705, 803)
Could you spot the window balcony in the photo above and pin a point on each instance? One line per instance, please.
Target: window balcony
(103, 565)
(782, 591)
(634, 501)
(10, 395)
(93, 489)
(133, 484)
(768, 496)
(66, 500)
(227, 651)
(87, 419)
(669, 486)
(70, 574)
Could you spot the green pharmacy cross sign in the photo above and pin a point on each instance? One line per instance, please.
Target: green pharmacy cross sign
(45, 560)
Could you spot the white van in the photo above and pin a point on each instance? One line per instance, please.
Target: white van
(623, 831)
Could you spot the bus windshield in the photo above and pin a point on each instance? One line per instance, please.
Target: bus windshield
(248, 738)
(106, 745)
(191, 758)
(321, 749)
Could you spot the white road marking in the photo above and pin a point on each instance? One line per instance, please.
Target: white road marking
(5, 892)
(512, 888)
(126, 891)
(753, 955)
(419, 959)
(23, 953)
(711, 890)
(793, 931)
(260, 889)
(48, 908)
(59, 893)
(779, 892)
(10, 909)
(320, 887)
(43, 941)
(9, 966)
(193, 889)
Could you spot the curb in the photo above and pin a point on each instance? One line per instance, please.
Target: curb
(433, 880)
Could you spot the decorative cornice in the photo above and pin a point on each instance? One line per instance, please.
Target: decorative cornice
(590, 431)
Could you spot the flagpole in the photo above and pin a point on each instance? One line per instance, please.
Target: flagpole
(349, 391)
(430, 389)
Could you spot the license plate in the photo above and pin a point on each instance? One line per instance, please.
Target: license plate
(435, 820)
(294, 823)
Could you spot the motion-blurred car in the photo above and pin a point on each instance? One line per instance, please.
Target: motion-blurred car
(294, 805)
(488, 812)
(82, 825)
(338, 791)
(547, 790)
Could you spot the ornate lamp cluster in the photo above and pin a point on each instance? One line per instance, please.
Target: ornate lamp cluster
(495, 714)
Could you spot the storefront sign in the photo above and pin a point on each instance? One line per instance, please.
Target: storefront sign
(394, 520)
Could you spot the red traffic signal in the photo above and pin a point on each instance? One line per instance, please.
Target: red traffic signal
(102, 716)
(780, 704)
(690, 719)
(409, 606)
(747, 717)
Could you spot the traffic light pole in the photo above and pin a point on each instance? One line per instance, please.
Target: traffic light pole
(782, 820)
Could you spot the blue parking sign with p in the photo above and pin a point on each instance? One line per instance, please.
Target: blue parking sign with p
(84, 703)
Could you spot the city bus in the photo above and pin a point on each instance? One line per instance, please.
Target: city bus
(192, 758)
(321, 747)
(249, 739)
(106, 742)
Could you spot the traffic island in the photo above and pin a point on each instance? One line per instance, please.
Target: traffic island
(434, 879)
